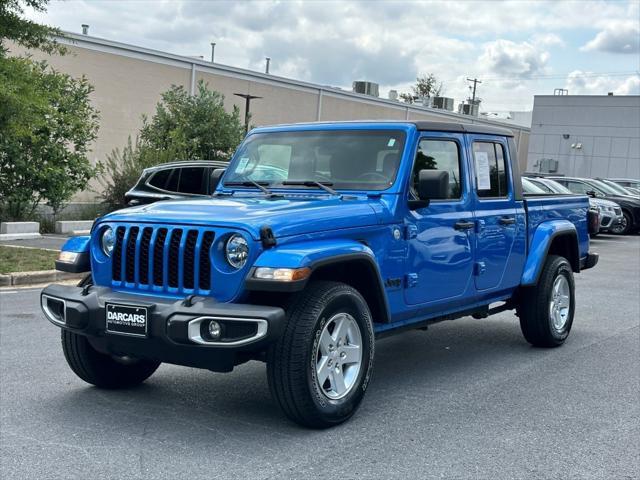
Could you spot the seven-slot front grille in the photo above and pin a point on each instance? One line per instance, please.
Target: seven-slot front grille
(169, 258)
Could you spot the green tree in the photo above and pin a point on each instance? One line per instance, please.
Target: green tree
(25, 32)
(193, 127)
(46, 120)
(46, 126)
(184, 127)
(426, 86)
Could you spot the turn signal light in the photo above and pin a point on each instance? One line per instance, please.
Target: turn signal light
(68, 257)
(282, 274)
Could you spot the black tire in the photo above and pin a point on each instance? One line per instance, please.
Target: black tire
(291, 361)
(103, 370)
(534, 307)
(626, 227)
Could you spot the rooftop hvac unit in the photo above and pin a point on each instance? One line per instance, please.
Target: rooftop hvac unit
(393, 95)
(443, 103)
(548, 165)
(366, 88)
(468, 109)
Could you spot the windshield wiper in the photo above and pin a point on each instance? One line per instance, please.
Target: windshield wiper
(247, 182)
(326, 186)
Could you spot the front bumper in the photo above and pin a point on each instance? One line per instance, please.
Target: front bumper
(172, 326)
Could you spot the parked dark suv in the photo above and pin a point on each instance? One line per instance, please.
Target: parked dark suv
(630, 205)
(175, 180)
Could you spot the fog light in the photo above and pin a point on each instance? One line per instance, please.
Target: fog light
(215, 330)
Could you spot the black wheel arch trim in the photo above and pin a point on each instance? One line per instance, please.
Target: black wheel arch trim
(254, 284)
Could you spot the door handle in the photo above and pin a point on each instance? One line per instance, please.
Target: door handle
(463, 225)
(507, 221)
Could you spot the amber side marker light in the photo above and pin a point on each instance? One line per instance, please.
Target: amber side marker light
(282, 274)
(68, 257)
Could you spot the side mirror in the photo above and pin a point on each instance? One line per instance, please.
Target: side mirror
(216, 175)
(432, 185)
(592, 193)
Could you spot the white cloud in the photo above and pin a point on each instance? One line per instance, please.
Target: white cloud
(588, 83)
(336, 42)
(617, 37)
(515, 60)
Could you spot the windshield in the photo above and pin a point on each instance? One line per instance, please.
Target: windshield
(342, 159)
(603, 187)
(616, 188)
(556, 187)
(529, 187)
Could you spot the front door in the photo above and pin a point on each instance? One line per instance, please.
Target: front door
(440, 236)
(495, 210)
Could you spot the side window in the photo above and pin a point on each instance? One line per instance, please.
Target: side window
(577, 187)
(172, 182)
(438, 155)
(491, 171)
(192, 180)
(159, 179)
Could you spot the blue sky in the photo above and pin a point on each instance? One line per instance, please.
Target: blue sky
(517, 48)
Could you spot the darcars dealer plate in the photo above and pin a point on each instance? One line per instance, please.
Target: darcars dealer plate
(126, 319)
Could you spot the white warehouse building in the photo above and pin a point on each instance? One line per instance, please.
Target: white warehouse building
(585, 136)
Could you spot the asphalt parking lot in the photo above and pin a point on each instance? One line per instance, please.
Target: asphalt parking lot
(466, 399)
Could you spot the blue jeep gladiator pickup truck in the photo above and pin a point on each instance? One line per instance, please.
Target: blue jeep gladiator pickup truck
(319, 239)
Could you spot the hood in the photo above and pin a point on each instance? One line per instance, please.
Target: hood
(627, 200)
(602, 202)
(292, 215)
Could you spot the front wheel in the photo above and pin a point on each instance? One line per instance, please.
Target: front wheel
(319, 369)
(546, 310)
(103, 370)
(625, 226)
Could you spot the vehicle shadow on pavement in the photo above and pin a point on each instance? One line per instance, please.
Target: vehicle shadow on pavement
(178, 398)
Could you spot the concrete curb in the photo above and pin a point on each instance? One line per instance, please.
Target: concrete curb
(37, 277)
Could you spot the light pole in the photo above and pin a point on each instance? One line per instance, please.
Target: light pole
(247, 103)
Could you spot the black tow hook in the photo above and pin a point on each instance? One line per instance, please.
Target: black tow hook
(189, 300)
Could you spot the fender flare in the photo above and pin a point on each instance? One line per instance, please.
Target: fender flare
(314, 255)
(541, 241)
(82, 262)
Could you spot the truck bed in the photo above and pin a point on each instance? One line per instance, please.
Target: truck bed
(572, 208)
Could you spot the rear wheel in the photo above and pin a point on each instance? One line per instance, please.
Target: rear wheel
(319, 369)
(546, 310)
(103, 370)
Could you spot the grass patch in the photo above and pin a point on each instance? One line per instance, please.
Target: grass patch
(25, 259)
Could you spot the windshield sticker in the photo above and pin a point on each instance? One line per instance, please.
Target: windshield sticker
(483, 174)
(392, 142)
(242, 164)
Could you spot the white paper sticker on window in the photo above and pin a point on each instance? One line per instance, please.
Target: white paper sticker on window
(392, 142)
(483, 173)
(242, 164)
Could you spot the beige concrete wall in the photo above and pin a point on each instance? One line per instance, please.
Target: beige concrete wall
(335, 108)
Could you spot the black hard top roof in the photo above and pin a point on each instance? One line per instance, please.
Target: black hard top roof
(462, 128)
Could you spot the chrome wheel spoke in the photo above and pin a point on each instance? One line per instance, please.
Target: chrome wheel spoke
(337, 382)
(341, 328)
(326, 342)
(350, 354)
(323, 371)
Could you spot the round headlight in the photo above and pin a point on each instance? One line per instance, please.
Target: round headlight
(237, 251)
(107, 241)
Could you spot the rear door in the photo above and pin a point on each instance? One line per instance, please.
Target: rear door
(495, 209)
